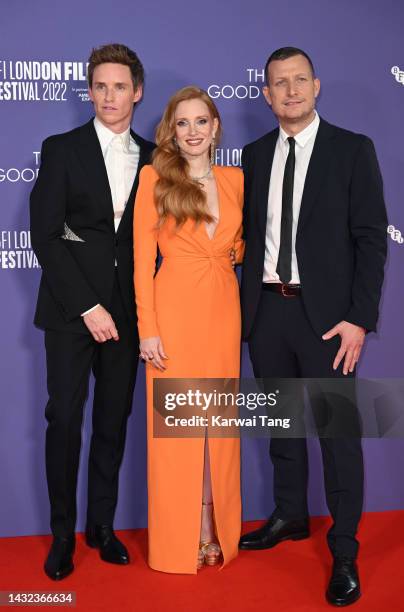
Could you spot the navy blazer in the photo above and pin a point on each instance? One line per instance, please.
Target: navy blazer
(341, 239)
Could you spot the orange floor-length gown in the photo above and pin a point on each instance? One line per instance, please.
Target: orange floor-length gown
(193, 305)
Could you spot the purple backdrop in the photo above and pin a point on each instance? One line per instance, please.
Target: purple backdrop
(221, 46)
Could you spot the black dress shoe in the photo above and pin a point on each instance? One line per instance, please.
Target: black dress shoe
(343, 588)
(59, 562)
(274, 531)
(104, 538)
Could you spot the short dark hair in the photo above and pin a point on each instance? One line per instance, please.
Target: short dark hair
(116, 54)
(285, 53)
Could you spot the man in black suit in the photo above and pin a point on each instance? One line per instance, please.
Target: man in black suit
(81, 228)
(315, 231)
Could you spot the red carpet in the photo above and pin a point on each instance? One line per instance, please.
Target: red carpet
(291, 577)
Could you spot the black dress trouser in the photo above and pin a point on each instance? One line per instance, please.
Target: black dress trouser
(283, 345)
(70, 359)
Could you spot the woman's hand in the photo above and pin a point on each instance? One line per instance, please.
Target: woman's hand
(233, 258)
(151, 350)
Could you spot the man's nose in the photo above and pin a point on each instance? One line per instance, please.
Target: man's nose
(292, 89)
(109, 93)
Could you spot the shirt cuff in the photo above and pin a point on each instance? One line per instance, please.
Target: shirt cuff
(83, 314)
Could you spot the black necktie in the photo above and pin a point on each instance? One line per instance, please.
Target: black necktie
(284, 266)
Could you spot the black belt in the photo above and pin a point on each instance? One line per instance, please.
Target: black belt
(282, 289)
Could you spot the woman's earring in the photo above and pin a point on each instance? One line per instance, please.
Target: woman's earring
(212, 152)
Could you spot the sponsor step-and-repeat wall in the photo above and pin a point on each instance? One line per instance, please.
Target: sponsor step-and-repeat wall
(358, 51)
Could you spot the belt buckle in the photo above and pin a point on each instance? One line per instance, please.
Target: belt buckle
(284, 289)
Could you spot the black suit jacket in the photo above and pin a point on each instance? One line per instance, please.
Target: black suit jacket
(341, 238)
(73, 188)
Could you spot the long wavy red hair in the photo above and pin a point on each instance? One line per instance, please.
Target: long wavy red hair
(176, 194)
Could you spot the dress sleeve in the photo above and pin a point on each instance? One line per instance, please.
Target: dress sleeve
(239, 242)
(145, 235)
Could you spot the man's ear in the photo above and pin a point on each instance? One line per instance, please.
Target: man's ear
(267, 94)
(138, 94)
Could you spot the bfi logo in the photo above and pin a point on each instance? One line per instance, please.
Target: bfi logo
(395, 234)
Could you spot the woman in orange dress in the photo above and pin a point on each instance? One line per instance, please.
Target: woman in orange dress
(189, 211)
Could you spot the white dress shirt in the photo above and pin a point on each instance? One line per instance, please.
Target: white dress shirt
(303, 150)
(121, 156)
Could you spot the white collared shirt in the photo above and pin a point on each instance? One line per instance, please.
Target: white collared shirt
(303, 150)
(121, 156)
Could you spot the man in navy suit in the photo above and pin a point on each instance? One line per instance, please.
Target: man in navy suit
(315, 231)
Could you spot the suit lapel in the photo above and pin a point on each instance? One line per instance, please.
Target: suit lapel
(144, 158)
(90, 154)
(265, 157)
(317, 170)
